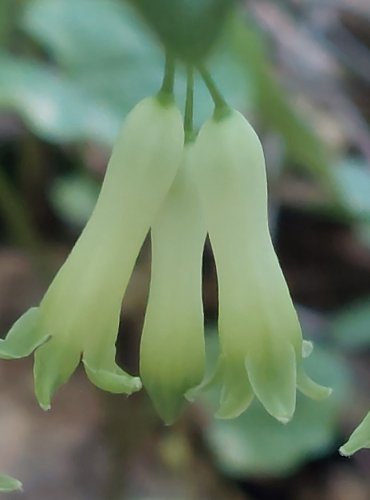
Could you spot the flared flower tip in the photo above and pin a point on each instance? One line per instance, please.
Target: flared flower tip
(172, 354)
(8, 484)
(360, 438)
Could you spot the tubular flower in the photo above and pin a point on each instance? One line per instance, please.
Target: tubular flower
(172, 345)
(261, 345)
(360, 438)
(79, 314)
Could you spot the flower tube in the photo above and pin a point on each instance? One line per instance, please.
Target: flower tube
(172, 345)
(79, 314)
(260, 336)
(360, 438)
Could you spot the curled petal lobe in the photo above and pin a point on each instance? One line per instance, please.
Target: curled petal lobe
(236, 391)
(260, 335)
(360, 438)
(24, 336)
(8, 484)
(172, 344)
(80, 312)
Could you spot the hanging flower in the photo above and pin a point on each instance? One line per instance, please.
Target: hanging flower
(360, 438)
(172, 345)
(260, 336)
(79, 314)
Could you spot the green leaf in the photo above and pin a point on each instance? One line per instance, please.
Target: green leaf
(8, 484)
(53, 106)
(102, 45)
(304, 147)
(255, 443)
(106, 62)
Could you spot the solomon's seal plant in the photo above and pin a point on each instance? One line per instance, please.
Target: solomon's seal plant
(165, 178)
(215, 183)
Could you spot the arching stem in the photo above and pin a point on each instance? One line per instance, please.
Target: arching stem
(189, 105)
(221, 106)
(166, 91)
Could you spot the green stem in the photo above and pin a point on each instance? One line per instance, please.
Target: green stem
(166, 91)
(221, 106)
(189, 106)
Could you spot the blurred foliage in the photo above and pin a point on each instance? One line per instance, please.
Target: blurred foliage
(95, 78)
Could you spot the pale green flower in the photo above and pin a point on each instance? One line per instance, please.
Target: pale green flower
(79, 315)
(360, 438)
(172, 345)
(260, 336)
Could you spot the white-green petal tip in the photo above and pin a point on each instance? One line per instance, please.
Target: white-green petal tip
(9, 484)
(360, 438)
(23, 337)
(307, 348)
(284, 419)
(114, 380)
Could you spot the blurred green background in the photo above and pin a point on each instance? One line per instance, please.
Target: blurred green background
(70, 70)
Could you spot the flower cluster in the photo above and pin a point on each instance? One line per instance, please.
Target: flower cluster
(215, 184)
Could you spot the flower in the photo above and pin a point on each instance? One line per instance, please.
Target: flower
(172, 346)
(79, 314)
(260, 336)
(360, 438)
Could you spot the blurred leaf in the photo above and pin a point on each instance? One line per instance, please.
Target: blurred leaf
(53, 106)
(9, 9)
(107, 62)
(74, 198)
(255, 443)
(351, 326)
(353, 180)
(304, 146)
(107, 52)
(8, 484)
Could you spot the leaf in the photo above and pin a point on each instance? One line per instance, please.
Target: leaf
(107, 52)
(304, 146)
(107, 62)
(53, 106)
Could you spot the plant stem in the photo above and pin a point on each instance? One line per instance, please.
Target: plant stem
(221, 106)
(189, 105)
(166, 91)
